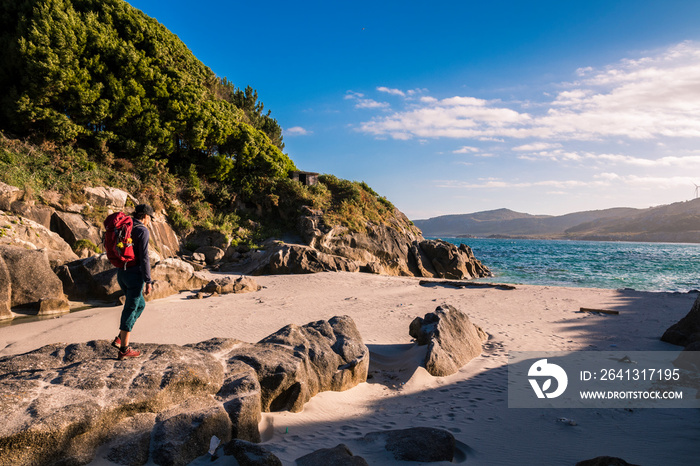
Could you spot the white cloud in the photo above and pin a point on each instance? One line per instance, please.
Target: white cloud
(502, 184)
(647, 182)
(369, 103)
(653, 97)
(297, 131)
(455, 117)
(362, 102)
(392, 91)
(466, 150)
(689, 161)
(537, 146)
(599, 181)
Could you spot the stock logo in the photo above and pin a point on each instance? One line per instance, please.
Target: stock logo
(543, 369)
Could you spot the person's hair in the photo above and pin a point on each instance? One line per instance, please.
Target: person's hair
(140, 215)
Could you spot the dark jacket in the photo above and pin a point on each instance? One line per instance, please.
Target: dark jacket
(140, 236)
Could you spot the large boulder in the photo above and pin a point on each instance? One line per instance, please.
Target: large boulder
(296, 362)
(8, 195)
(17, 230)
(73, 227)
(109, 197)
(227, 285)
(452, 339)
(91, 278)
(31, 276)
(5, 292)
(72, 396)
(240, 389)
(440, 259)
(180, 274)
(298, 259)
(163, 238)
(164, 407)
(38, 213)
(687, 330)
(387, 244)
(212, 254)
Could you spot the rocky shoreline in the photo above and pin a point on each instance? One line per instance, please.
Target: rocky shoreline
(49, 253)
(63, 402)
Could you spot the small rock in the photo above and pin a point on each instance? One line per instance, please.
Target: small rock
(605, 461)
(339, 455)
(250, 454)
(417, 443)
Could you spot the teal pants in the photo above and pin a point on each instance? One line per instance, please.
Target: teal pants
(131, 283)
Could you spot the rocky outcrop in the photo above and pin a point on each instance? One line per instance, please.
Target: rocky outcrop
(686, 331)
(320, 356)
(440, 259)
(73, 227)
(69, 223)
(8, 195)
(452, 339)
(31, 278)
(227, 285)
(298, 259)
(72, 395)
(163, 238)
(164, 407)
(212, 254)
(181, 275)
(394, 248)
(22, 232)
(109, 197)
(89, 279)
(5, 292)
(95, 278)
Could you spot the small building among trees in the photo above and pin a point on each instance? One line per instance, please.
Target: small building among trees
(307, 178)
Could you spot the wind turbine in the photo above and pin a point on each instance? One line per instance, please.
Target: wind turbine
(696, 190)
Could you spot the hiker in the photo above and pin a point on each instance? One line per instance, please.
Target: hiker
(132, 278)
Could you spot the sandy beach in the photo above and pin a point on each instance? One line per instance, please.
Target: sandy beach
(471, 404)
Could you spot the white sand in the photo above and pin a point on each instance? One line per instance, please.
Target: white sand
(471, 404)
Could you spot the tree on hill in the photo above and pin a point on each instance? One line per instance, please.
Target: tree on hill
(94, 91)
(102, 76)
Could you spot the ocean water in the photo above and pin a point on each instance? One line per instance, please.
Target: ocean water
(592, 264)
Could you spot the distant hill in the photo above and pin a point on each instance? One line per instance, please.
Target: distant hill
(678, 222)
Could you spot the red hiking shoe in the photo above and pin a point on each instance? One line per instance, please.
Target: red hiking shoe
(117, 343)
(128, 353)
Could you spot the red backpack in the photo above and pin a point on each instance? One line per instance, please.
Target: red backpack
(118, 243)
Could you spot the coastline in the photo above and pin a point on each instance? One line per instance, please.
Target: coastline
(472, 404)
(641, 266)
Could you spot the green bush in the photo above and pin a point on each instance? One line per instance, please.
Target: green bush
(86, 244)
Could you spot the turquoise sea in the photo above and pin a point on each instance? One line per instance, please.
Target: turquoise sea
(591, 264)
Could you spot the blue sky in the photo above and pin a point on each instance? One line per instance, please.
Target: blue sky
(446, 107)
